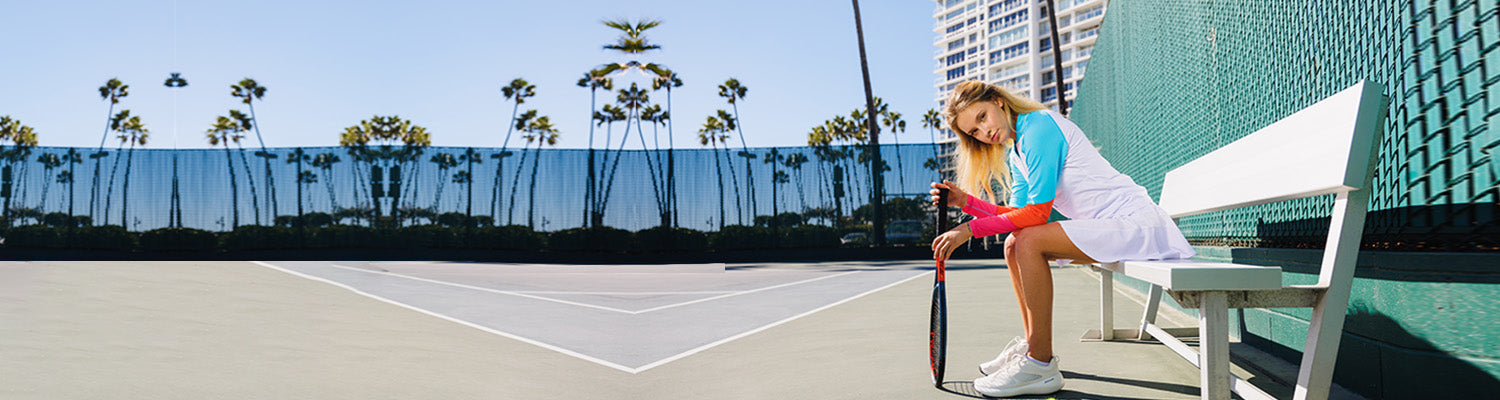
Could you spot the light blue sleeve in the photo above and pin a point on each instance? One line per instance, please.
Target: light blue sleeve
(1044, 149)
(1017, 188)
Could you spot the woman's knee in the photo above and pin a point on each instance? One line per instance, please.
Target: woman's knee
(1022, 241)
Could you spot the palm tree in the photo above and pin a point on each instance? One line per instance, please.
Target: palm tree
(519, 90)
(730, 123)
(444, 161)
(594, 80)
(932, 122)
(115, 125)
(325, 162)
(667, 79)
(72, 158)
(545, 134)
(733, 91)
(795, 161)
(522, 123)
(132, 131)
(113, 90)
(656, 116)
(775, 158)
(893, 121)
(226, 130)
(470, 157)
(630, 101)
(24, 138)
(711, 135)
(249, 91)
(49, 161)
(303, 177)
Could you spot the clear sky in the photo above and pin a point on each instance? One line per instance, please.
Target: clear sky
(329, 64)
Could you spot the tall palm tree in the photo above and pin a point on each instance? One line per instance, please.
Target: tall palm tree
(711, 135)
(23, 138)
(325, 162)
(113, 90)
(72, 158)
(545, 134)
(49, 161)
(795, 161)
(730, 123)
(518, 90)
(667, 79)
(657, 117)
(470, 157)
(775, 158)
(115, 125)
(444, 161)
(132, 131)
(630, 101)
(386, 132)
(895, 124)
(224, 131)
(933, 123)
(732, 91)
(594, 80)
(299, 157)
(248, 91)
(522, 123)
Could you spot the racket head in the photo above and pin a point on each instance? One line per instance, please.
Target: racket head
(938, 333)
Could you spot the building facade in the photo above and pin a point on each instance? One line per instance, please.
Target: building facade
(1008, 43)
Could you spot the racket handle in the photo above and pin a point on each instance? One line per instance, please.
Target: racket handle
(942, 211)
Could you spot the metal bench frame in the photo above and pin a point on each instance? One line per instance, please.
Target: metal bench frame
(1326, 148)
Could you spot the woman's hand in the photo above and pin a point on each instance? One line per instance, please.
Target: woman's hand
(956, 196)
(944, 244)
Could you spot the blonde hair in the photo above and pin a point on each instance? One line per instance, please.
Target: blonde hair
(980, 164)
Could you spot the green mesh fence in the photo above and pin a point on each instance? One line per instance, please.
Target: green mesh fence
(1172, 80)
(217, 189)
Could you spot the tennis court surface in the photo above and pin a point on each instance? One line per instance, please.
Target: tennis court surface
(275, 330)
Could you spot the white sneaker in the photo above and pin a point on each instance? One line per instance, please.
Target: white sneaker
(1021, 376)
(1017, 345)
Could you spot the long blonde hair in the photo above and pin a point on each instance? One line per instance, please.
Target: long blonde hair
(980, 164)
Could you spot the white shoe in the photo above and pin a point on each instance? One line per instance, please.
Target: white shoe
(1021, 376)
(1017, 345)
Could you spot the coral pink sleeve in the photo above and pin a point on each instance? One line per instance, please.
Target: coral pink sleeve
(980, 208)
(1032, 215)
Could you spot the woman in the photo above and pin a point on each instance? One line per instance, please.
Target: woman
(1051, 166)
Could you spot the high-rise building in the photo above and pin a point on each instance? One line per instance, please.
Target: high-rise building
(1009, 43)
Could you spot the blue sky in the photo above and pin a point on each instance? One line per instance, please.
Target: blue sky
(329, 64)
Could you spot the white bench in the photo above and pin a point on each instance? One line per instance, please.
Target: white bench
(1326, 148)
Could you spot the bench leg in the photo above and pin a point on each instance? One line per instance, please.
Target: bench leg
(1153, 300)
(1213, 345)
(1106, 305)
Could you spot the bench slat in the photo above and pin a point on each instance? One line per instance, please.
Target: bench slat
(1199, 275)
(1312, 152)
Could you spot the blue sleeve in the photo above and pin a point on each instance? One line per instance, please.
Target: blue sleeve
(1044, 148)
(1017, 188)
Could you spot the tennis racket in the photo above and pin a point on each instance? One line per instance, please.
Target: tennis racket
(937, 335)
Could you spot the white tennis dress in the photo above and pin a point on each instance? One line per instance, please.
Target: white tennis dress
(1110, 218)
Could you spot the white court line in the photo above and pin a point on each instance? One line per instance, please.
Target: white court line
(769, 326)
(485, 289)
(740, 293)
(584, 357)
(578, 355)
(622, 293)
(587, 305)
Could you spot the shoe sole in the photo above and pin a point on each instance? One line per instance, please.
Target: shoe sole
(1050, 385)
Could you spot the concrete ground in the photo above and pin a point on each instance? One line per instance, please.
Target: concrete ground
(243, 330)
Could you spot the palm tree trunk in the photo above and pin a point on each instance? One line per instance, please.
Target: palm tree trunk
(510, 214)
(109, 194)
(719, 169)
(469, 205)
(125, 189)
(270, 182)
(739, 210)
(234, 188)
(749, 176)
(333, 200)
(94, 193)
(254, 200)
(531, 193)
(671, 163)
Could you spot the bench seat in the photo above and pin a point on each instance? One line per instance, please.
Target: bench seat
(1200, 275)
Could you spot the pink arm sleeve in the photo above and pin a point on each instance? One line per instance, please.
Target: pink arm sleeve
(980, 208)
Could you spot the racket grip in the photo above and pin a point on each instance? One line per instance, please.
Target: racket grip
(942, 211)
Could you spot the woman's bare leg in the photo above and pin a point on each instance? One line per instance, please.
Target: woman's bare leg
(1027, 252)
(1015, 283)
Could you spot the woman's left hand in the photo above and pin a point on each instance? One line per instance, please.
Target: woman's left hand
(944, 244)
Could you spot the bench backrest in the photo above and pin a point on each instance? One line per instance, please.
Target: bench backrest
(1322, 149)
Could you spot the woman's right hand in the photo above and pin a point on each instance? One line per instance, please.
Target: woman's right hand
(956, 196)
